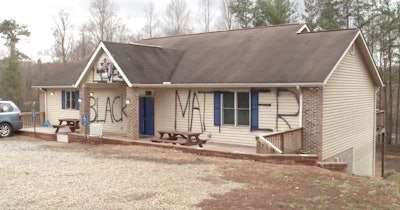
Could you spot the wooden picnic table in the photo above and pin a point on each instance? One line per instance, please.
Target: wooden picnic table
(180, 137)
(72, 123)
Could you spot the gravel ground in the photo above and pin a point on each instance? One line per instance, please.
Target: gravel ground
(43, 175)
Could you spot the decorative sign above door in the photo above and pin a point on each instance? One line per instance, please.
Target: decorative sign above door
(105, 71)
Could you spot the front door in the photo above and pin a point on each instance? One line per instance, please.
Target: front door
(146, 119)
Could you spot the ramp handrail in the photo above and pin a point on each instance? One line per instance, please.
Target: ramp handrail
(270, 144)
(288, 142)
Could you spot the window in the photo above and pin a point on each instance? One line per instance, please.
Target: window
(236, 108)
(243, 111)
(70, 99)
(5, 107)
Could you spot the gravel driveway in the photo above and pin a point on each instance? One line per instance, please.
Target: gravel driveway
(51, 175)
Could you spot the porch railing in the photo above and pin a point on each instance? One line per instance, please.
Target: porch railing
(28, 120)
(287, 142)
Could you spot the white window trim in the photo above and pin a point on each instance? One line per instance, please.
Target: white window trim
(236, 109)
(72, 101)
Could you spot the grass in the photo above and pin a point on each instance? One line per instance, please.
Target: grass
(343, 186)
(379, 185)
(322, 201)
(396, 195)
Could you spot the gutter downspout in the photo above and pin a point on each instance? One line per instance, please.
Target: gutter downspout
(298, 88)
(374, 142)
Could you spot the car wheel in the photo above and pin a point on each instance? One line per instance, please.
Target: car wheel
(5, 130)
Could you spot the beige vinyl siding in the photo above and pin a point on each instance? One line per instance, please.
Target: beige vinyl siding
(55, 110)
(267, 114)
(286, 103)
(107, 105)
(348, 114)
(90, 76)
(202, 119)
(107, 110)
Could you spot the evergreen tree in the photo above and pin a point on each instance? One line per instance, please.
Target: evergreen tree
(388, 46)
(274, 12)
(311, 9)
(11, 76)
(243, 10)
(330, 17)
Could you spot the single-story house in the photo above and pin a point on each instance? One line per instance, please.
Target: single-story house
(231, 86)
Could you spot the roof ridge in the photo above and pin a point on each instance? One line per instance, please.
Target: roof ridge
(225, 31)
(137, 44)
(335, 30)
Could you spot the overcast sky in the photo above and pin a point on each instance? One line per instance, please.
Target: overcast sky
(38, 16)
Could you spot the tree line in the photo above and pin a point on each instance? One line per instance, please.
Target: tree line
(379, 21)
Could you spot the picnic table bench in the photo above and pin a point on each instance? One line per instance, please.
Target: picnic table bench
(180, 137)
(73, 124)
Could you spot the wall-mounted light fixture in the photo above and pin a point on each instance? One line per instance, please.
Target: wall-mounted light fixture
(52, 93)
(127, 101)
(91, 93)
(79, 100)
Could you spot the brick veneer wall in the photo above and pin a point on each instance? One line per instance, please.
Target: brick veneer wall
(84, 107)
(312, 119)
(132, 112)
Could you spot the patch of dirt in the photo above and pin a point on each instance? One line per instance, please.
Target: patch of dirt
(269, 186)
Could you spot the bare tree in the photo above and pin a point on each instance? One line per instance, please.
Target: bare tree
(205, 15)
(84, 44)
(152, 22)
(177, 18)
(63, 36)
(104, 24)
(123, 33)
(227, 19)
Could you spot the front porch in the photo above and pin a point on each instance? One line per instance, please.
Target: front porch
(209, 149)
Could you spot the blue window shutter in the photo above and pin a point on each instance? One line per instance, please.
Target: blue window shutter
(76, 100)
(254, 110)
(63, 99)
(217, 108)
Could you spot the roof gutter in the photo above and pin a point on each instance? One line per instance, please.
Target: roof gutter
(227, 85)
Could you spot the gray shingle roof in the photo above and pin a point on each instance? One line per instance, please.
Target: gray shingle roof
(267, 55)
(274, 54)
(144, 64)
(66, 76)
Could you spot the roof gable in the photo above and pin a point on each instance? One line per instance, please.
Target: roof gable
(137, 64)
(144, 64)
